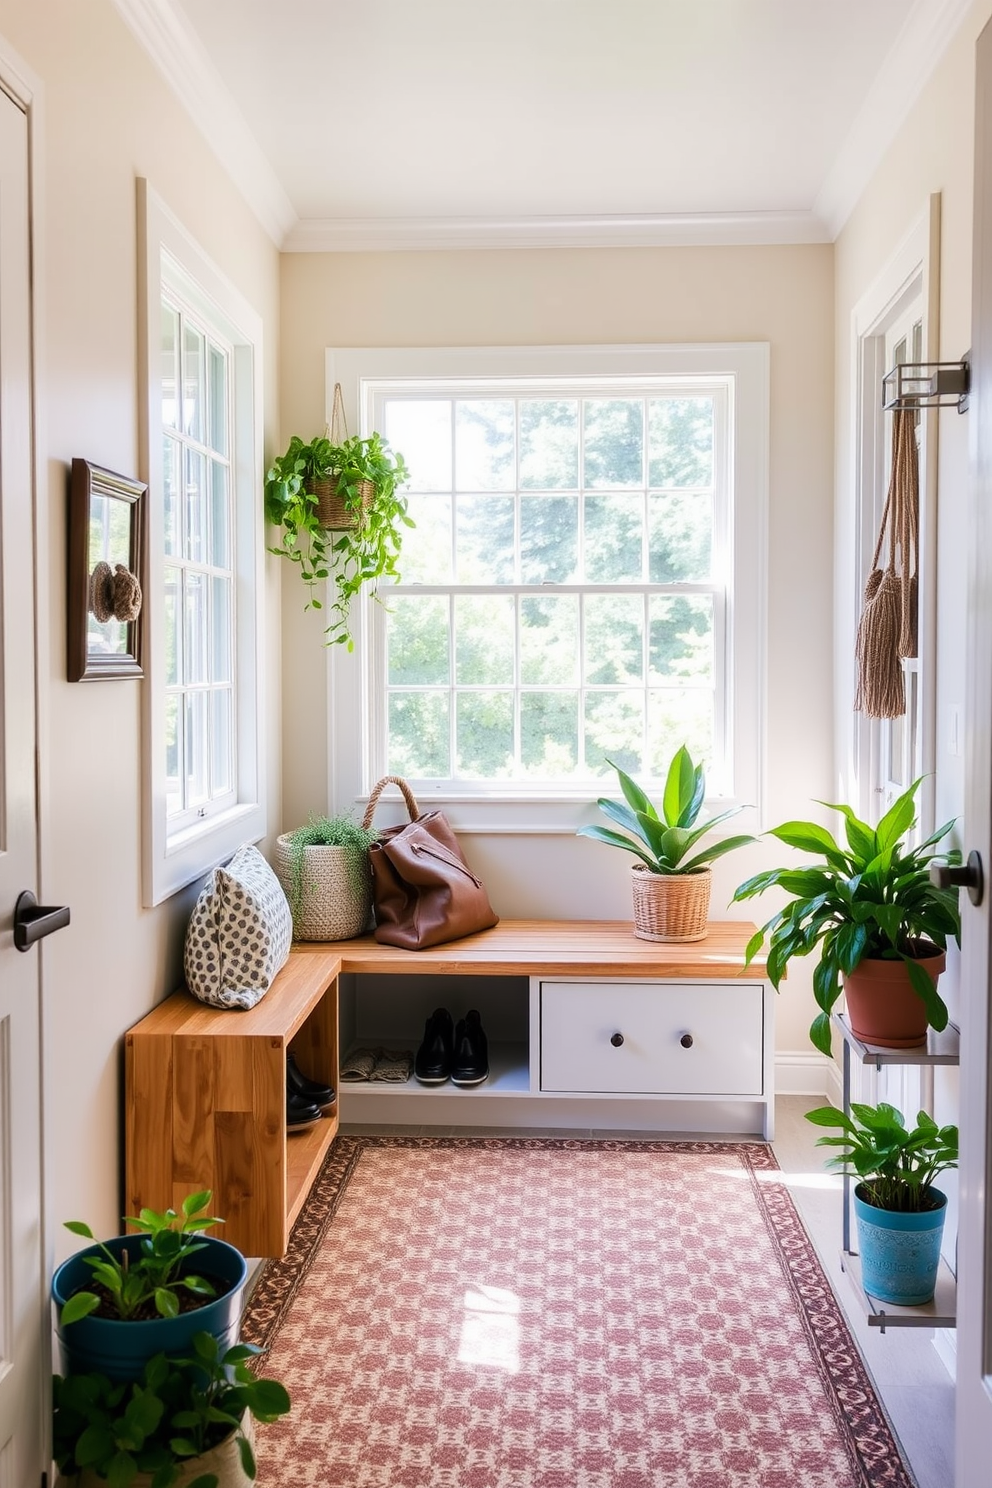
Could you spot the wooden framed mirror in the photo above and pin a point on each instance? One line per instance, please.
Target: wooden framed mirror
(104, 605)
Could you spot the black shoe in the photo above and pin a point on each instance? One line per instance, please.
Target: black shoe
(300, 1113)
(471, 1062)
(432, 1064)
(313, 1091)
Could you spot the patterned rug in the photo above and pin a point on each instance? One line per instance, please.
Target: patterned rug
(530, 1313)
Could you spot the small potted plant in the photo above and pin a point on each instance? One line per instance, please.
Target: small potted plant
(187, 1423)
(876, 921)
(671, 881)
(122, 1300)
(324, 870)
(899, 1213)
(351, 488)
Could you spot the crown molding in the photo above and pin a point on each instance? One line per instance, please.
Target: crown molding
(405, 234)
(928, 31)
(176, 50)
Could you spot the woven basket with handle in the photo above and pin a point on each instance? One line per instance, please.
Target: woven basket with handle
(670, 906)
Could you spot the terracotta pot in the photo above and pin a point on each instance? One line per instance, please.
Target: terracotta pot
(882, 1007)
(670, 906)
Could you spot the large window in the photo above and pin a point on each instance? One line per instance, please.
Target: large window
(203, 766)
(583, 581)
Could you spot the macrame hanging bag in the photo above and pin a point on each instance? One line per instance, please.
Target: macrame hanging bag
(887, 632)
(333, 512)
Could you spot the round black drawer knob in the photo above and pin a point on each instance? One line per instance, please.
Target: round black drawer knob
(617, 1040)
(686, 1041)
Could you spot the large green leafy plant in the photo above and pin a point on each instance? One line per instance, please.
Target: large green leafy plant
(129, 1288)
(358, 555)
(664, 837)
(896, 1165)
(872, 898)
(179, 1410)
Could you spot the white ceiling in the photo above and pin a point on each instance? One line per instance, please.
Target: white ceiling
(398, 123)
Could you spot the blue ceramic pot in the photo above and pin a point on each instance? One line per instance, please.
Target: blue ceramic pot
(900, 1253)
(120, 1349)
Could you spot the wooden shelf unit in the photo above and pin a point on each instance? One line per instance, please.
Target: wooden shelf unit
(205, 1103)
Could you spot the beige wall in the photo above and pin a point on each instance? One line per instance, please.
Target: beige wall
(780, 295)
(106, 117)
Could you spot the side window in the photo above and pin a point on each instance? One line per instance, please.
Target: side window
(203, 737)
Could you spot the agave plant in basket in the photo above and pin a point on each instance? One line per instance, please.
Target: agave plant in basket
(665, 840)
(871, 914)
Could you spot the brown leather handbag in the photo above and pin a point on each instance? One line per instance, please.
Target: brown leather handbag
(423, 891)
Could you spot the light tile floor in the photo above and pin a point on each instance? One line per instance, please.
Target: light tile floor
(910, 1379)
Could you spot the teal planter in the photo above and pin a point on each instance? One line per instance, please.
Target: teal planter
(121, 1349)
(900, 1253)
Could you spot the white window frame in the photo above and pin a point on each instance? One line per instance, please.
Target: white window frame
(171, 858)
(354, 682)
(910, 280)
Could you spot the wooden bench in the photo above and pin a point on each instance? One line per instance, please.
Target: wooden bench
(205, 1087)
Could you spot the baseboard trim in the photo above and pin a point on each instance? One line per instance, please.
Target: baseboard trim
(798, 1072)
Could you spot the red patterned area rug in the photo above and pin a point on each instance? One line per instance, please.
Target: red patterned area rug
(530, 1313)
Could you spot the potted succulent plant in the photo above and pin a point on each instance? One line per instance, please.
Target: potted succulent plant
(122, 1300)
(187, 1423)
(876, 921)
(350, 488)
(672, 877)
(899, 1213)
(325, 873)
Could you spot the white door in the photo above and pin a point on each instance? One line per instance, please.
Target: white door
(974, 1308)
(23, 1313)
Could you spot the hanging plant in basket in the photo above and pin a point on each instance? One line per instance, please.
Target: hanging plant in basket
(339, 504)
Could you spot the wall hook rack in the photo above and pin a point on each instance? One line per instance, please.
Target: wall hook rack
(927, 385)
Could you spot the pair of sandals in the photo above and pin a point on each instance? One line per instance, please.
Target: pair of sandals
(307, 1101)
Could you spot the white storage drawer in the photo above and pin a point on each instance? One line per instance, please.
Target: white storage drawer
(652, 1038)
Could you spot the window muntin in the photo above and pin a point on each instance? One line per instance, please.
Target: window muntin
(564, 593)
(198, 573)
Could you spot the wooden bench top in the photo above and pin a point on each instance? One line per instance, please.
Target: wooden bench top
(558, 948)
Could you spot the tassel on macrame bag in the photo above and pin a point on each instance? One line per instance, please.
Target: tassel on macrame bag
(887, 632)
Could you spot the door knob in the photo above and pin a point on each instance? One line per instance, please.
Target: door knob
(33, 921)
(968, 875)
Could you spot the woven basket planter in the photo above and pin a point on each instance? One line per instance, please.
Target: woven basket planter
(332, 512)
(224, 1460)
(670, 906)
(336, 895)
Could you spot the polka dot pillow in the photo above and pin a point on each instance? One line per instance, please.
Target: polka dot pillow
(239, 933)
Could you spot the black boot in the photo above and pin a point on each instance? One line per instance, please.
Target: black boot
(432, 1064)
(471, 1061)
(313, 1091)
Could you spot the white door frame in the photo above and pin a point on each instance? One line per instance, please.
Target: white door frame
(24, 87)
(973, 1444)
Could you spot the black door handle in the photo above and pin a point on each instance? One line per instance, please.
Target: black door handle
(968, 875)
(33, 921)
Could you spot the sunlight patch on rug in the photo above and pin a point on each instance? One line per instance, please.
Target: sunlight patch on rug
(527, 1313)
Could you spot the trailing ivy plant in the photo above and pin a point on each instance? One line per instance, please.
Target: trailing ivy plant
(356, 556)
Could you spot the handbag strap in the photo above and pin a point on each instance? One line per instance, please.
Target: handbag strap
(376, 792)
